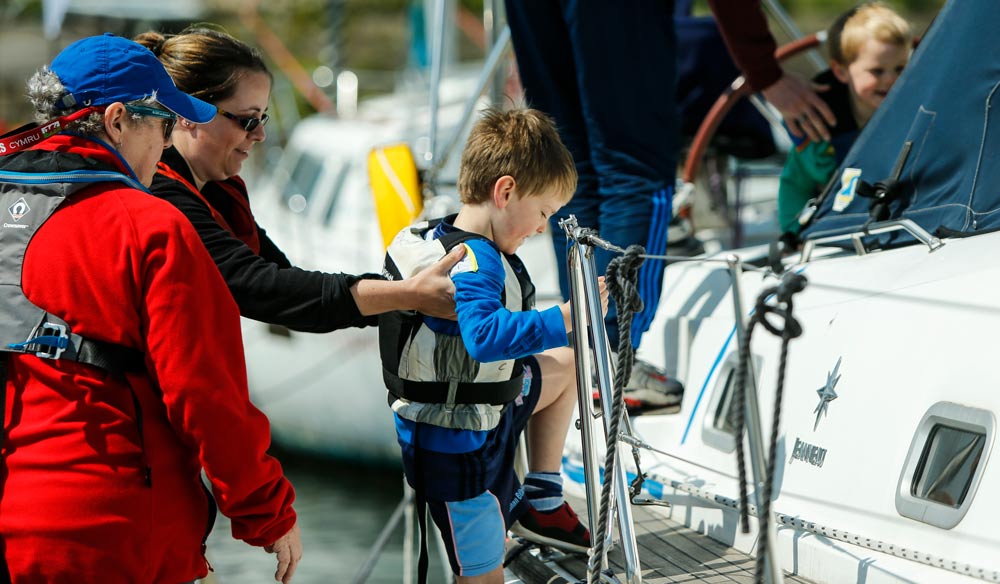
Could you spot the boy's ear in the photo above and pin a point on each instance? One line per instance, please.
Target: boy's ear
(840, 72)
(503, 190)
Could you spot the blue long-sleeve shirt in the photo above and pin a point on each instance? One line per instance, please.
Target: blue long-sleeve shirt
(489, 331)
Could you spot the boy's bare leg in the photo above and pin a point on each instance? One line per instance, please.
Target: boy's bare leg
(494, 577)
(550, 519)
(546, 432)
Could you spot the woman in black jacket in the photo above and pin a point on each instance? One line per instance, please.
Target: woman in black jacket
(200, 176)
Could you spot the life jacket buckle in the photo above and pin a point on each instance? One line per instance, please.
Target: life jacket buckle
(57, 342)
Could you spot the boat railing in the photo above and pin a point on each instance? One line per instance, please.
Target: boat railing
(593, 361)
(857, 237)
(758, 458)
(403, 511)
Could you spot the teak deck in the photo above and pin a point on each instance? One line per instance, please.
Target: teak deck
(669, 552)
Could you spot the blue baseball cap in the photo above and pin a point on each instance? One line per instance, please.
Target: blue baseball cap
(105, 69)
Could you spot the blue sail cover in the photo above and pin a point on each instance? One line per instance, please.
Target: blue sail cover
(942, 103)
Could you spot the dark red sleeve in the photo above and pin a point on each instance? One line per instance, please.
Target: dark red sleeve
(744, 28)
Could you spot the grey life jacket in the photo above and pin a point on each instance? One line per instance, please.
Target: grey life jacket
(27, 200)
(430, 376)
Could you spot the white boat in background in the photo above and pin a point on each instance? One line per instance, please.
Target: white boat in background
(315, 388)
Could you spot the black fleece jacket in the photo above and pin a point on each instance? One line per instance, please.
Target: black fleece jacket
(267, 287)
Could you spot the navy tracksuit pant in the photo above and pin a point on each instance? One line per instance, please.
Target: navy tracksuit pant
(605, 70)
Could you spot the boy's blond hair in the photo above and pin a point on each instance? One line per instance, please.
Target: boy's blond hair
(871, 20)
(521, 143)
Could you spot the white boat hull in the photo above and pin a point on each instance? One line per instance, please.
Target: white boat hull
(910, 329)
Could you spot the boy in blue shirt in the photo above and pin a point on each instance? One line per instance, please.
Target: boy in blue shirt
(463, 391)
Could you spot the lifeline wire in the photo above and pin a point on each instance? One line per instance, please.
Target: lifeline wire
(596, 241)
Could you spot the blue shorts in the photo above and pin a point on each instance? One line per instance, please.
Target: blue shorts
(475, 496)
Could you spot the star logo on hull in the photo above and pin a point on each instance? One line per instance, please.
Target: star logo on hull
(827, 393)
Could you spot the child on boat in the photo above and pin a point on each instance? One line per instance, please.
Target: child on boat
(463, 391)
(869, 46)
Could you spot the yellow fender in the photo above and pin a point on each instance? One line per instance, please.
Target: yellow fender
(392, 173)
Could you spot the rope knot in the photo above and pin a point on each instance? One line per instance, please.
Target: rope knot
(622, 278)
(790, 285)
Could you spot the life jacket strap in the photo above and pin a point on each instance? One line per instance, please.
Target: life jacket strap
(54, 341)
(114, 358)
(437, 392)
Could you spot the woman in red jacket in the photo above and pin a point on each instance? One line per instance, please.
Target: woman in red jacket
(123, 361)
(200, 176)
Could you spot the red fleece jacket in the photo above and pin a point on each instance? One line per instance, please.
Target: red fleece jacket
(120, 265)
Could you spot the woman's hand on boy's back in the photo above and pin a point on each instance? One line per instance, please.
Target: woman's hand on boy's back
(429, 292)
(434, 292)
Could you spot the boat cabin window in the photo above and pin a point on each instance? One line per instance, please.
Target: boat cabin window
(338, 185)
(722, 421)
(717, 430)
(299, 188)
(945, 463)
(949, 462)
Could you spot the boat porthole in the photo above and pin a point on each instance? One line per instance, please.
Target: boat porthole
(945, 463)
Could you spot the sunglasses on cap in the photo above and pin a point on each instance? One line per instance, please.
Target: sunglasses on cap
(249, 123)
(169, 118)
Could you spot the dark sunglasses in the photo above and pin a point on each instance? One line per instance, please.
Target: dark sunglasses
(169, 118)
(249, 124)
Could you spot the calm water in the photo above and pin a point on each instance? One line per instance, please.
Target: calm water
(341, 511)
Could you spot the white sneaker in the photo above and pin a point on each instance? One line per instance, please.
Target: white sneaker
(648, 388)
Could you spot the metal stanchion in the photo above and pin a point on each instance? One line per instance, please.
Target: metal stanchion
(758, 458)
(404, 509)
(592, 356)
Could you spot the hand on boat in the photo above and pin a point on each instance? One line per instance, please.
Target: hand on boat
(289, 551)
(602, 287)
(805, 112)
(567, 311)
(435, 292)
